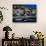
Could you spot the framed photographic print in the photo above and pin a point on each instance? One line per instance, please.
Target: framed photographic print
(24, 12)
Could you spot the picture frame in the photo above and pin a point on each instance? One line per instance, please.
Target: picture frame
(24, 13)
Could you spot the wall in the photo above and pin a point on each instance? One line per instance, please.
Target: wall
(23, 29)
